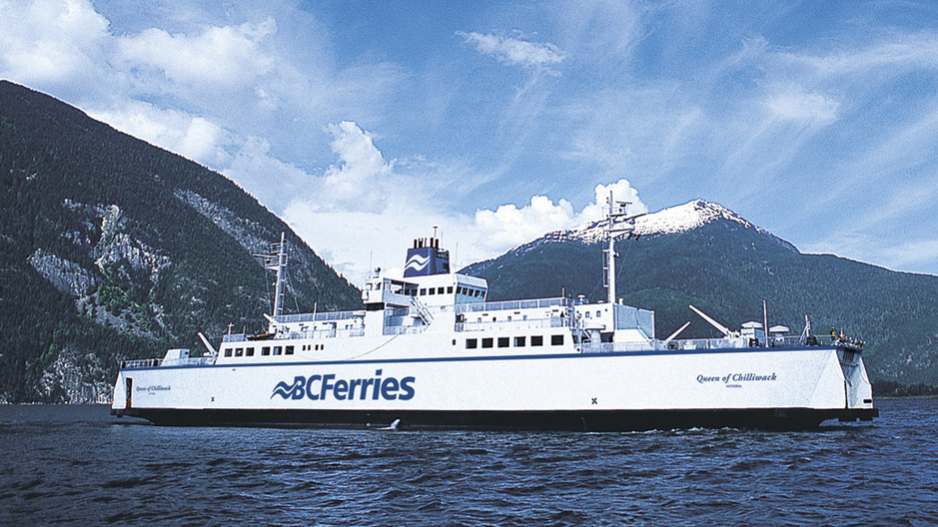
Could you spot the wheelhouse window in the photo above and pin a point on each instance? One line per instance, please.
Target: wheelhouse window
(487, 342)
(278, 350)
(289, 350)
(472, 344)
(227, 352)
(265, 350)
(239, 352)
(520, 342)
(537, 340)
(503, 342)
(249, 352)
(556, 340)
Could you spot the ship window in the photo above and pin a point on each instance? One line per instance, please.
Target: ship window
(487, 343)
(472, 344)
(587, 314)
(278, 350)
(519, 342)
(441, 290)
(265, 350)
(449, 289)
(423, 291)
(289, 350)
(458, 290)
(503, 342)
(537, 340)
(432, 291)
(239, 352)
(556, 340)
(599, 314)
(227, 352)
(249, 352)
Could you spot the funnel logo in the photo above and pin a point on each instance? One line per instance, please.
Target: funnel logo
(324, 387)
(417, 262)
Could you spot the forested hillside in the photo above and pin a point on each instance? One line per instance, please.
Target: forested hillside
(727, 269)
(111, 248)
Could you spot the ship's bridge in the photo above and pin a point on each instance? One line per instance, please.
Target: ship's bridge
(427, 280)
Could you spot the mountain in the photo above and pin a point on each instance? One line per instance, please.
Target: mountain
(111, 248)
(704, 254)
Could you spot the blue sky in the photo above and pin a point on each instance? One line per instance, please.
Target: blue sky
(364, 123)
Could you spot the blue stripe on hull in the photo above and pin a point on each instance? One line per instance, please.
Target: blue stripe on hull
(575, 420)
(492, 358)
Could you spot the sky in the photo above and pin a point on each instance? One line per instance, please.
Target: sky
(366, 124)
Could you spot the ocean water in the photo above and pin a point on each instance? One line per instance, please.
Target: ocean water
(79, 465)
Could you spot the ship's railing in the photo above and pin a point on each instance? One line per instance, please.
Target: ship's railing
(321, 334)
(552, 322)
(317, 317)
(704, 344)
(514, 304)
(156, 363)
(294, 335)
(404, 330)
(618, 347)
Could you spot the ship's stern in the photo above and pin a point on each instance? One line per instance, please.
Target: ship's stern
(858, 390)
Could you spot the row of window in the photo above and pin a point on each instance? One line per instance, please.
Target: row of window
(448, 290)
(265, 350)
(519, 342)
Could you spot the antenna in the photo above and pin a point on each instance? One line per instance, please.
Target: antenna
(765, 324)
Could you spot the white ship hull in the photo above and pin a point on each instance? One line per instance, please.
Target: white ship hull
(763, 388)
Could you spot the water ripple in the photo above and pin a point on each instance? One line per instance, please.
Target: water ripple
(76, 465)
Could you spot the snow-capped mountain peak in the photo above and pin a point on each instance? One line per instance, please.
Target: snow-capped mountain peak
(672, 220)
(686, 217)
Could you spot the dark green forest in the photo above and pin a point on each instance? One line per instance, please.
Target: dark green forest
(104, 254)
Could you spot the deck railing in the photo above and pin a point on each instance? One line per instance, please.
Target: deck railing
(157, 363)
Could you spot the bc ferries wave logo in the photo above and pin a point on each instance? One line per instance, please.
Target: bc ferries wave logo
(417, 262)
(324, 387)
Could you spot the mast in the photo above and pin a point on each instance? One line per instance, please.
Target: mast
(617, 222)
(281, 267)
(276, 260)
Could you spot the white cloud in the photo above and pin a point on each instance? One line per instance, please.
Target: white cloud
(508, 226)
(363, 210)
(228, 56)
(359, 182)
(792, 104)
(193, 137)
(515, 51)
(51, 41)
(272, 181)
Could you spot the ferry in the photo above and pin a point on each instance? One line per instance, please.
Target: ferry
(429, 351)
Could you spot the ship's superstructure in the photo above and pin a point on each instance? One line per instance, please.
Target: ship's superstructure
(428, 350)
